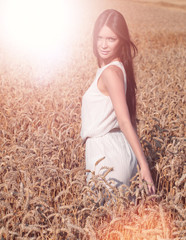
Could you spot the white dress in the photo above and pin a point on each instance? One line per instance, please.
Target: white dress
(103, 137)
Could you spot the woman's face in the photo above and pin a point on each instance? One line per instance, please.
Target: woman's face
(108, 45)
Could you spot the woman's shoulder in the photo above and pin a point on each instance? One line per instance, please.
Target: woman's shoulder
(114, 74)
(112, 70)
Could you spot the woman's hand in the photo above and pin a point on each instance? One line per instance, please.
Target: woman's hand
(146, 176)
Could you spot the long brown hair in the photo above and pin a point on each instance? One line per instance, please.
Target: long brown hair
(116, 22)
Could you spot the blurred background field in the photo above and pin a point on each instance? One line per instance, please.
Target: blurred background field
(165, 3)
(43, 191)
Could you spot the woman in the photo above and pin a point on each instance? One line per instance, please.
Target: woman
(109, 105)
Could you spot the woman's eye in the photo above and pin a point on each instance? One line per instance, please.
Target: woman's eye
(111, 39)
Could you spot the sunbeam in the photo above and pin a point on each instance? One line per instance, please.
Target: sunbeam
(39, 29)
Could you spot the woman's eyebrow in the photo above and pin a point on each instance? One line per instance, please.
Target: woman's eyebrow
(107, 36)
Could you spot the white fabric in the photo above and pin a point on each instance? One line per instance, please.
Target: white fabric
(97, 113)
(100, 130)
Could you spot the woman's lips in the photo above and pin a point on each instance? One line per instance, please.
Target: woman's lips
(104, 52)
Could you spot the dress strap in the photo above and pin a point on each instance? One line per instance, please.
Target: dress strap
(116, 63)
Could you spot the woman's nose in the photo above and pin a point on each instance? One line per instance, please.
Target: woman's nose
(104, 43)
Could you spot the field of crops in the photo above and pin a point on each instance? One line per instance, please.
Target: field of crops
(43, 189)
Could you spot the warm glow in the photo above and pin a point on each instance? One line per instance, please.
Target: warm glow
(39, 29)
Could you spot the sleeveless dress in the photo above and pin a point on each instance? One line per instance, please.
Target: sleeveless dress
(103, 138)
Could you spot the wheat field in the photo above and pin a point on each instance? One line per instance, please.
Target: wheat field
(43, 189)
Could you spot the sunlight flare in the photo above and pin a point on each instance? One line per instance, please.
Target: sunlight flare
(41, 29)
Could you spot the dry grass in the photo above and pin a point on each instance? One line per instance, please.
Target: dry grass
(43, 191)
(176, 4)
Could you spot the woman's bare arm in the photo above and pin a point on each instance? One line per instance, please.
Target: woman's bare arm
(113, 83)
